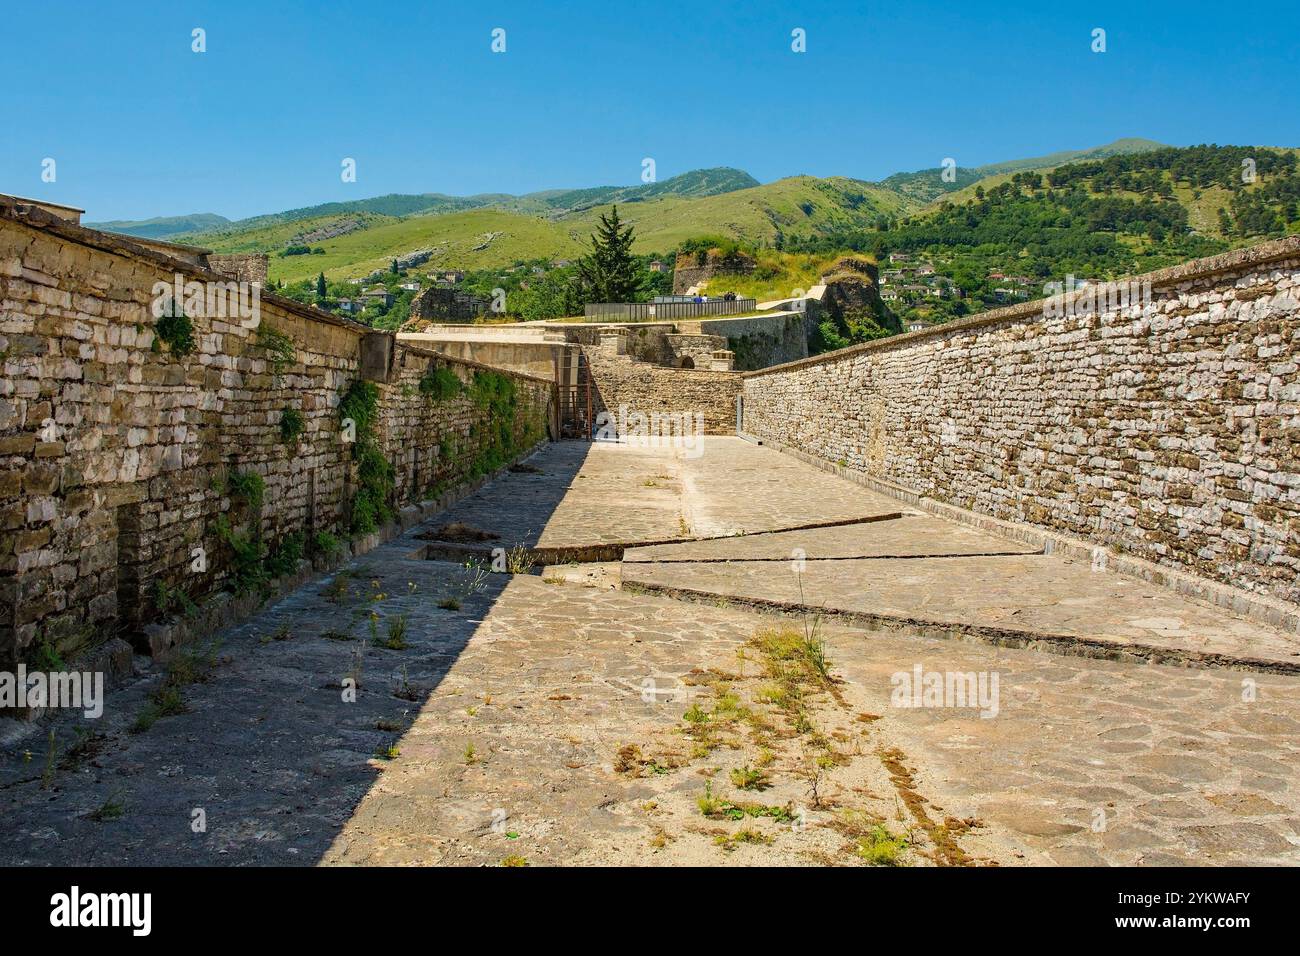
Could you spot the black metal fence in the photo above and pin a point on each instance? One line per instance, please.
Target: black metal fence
(664, 311)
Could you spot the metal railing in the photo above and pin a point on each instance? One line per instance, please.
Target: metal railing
(664, 311)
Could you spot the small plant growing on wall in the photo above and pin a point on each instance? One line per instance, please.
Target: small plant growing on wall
(284, 559)
(43, 655)
(247, 487)
(440, 384)
(292, 424)
(326, 544)
(174, 329)
(247, 558)
(279, 349)
(168, 599)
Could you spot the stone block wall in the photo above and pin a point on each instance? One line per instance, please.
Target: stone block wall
(620, 381)
(436, 444)
(694, 351)
(645, 341)
(762, 341)
(119, 456)
(1169, 434)
(246, 267)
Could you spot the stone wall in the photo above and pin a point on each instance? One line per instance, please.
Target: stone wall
(120, 455)
(645, 341)
(1171, 434)
(442, 304)
(621, 382)
(246, 267)
(763, 340)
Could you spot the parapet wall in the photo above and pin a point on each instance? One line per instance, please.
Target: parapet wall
(1167, 431)
(626, 387)
(121, 456)
(763, 340)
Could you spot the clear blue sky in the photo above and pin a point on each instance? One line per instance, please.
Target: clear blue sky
(141, 126)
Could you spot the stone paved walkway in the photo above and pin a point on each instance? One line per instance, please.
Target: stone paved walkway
(531, 720)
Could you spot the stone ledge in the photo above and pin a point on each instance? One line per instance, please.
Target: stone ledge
(1255, 607)
(1066, 645)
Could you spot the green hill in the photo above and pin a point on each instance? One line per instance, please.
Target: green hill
(163, 227)
(927, 185)
(1004, 238)
(800, 206)
(798, 213)
(490, 236)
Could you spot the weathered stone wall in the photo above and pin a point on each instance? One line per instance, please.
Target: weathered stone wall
(1170, 435)
(645, 341)
(438, 303)
(765, 340)
(550, 360)
(693, 351)
(119, 456)
(246, 267)
(649, 389)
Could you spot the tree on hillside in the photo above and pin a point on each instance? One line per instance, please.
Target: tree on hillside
(553, 296)
(609, 273)
(321, 291)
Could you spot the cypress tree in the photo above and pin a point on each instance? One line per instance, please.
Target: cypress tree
(609, 273)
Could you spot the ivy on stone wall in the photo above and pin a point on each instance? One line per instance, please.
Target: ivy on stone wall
(440, 383)
(500, 436)
(370, 507)
(279, 349)
(292, 424)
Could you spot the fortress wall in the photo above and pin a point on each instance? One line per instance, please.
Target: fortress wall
(760, 341)
(119, 457)
(624, 387)
(1168, 435)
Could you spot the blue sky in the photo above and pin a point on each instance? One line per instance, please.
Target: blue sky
(140, 126)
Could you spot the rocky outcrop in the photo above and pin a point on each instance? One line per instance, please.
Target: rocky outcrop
(852, 296)
(692, 268)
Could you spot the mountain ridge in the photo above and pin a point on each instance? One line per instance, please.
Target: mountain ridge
(694, 183)
(557, 202)
(496, 231)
